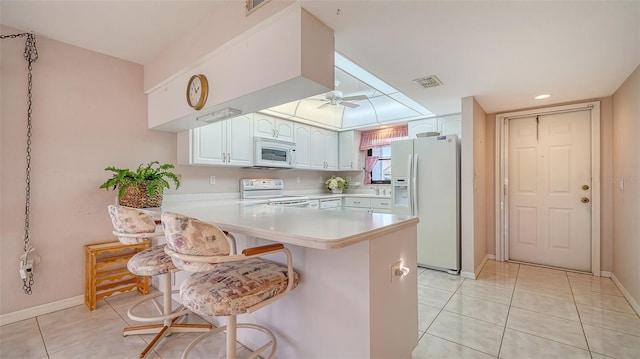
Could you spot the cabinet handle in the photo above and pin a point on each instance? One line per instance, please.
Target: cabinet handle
(274, 132)
(277, 133)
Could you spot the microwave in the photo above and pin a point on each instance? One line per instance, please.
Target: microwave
(272, 153)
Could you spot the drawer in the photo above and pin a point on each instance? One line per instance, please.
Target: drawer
(384, 203)
(357, 202)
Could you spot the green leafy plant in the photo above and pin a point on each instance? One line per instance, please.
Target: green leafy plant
(154, 176)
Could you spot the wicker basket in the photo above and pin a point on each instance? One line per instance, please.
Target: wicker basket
(137, 197)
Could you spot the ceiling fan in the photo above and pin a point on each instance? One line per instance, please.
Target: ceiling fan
(336, 98)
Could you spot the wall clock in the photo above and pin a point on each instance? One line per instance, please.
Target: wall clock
(197, 91)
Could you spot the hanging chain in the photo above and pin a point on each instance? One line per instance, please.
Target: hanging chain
(31, 55)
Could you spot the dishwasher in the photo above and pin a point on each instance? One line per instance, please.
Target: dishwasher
(332, 204)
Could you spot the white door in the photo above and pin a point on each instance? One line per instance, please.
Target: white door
(549, 190)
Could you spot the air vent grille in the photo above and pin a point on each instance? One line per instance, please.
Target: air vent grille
(429, 81)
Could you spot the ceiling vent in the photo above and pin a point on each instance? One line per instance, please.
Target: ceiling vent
(429, 81)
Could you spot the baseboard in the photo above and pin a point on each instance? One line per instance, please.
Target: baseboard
(625, 292)
(468, 275)
(491, 257)
(40, 310)
(474, 275)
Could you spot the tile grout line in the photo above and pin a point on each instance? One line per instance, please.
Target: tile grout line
(506, 320)
(44, 344)
(440, 312)
(579, 317)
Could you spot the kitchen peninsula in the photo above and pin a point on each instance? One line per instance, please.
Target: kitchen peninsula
(351, 301)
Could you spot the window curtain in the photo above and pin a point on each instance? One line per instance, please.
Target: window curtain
(382, 137)
(369, 164)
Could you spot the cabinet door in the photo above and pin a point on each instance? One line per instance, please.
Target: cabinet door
(303, 146)
(318, 144)
(331, 150)
(450, 125)
(240, 141)
(284, 130)
(209, 144)
(349, 150)
(264, 126)
(419, 126)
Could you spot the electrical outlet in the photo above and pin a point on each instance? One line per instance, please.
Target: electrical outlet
(320, 180)
(212, 180)
(398, 271)
(298, 179)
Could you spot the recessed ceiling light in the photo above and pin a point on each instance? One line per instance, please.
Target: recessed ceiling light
(542, 97)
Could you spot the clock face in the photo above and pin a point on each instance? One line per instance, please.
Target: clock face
(197, 90)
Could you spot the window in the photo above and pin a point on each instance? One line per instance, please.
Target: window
(254, 5)
(381, 172)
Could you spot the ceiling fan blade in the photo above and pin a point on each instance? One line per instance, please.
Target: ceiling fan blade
(349, 104)
(355, 98)
(323, 105)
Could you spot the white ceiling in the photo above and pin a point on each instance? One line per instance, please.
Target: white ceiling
(503, 53)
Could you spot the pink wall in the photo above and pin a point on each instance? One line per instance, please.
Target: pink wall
(89, 111)
(626, 203)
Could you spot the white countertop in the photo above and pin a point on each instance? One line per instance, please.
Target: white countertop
(305, 227)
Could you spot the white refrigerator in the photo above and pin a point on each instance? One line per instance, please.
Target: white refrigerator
(425, 179)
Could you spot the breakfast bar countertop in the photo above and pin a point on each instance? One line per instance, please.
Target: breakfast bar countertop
(303, 227)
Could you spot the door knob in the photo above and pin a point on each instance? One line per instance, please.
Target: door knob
(585, 200)
(585, 187)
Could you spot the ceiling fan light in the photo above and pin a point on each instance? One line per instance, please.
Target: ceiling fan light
(542, 97)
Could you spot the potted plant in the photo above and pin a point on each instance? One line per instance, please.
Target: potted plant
(336, 184)
(143, 187)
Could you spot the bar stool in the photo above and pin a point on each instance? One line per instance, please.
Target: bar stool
(225, 284)
(134, 226)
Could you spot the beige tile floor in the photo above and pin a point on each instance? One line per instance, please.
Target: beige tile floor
(521, 311)
(510, 311)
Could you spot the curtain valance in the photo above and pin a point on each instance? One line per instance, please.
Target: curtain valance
(382, 137)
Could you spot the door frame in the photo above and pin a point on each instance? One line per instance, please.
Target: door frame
(501, 176)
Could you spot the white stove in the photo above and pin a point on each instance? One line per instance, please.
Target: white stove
(271, 190)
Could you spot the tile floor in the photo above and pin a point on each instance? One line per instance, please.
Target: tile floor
(510, 311)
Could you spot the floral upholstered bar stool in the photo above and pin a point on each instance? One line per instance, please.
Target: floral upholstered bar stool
(226, 284)
(134, 226)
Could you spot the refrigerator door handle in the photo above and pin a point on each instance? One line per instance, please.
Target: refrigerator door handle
(410, 175)
(414, 184)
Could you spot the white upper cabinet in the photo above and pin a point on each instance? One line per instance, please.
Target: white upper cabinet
(222, 143)
(445, 125)
(272, 127)
(324, 149)
(303, 145)
(349, 155)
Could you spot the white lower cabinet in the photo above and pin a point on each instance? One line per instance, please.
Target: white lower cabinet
(367, 204)
(223, 143)
(381, 205)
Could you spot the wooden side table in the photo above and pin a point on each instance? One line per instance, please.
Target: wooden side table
(106, 270)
